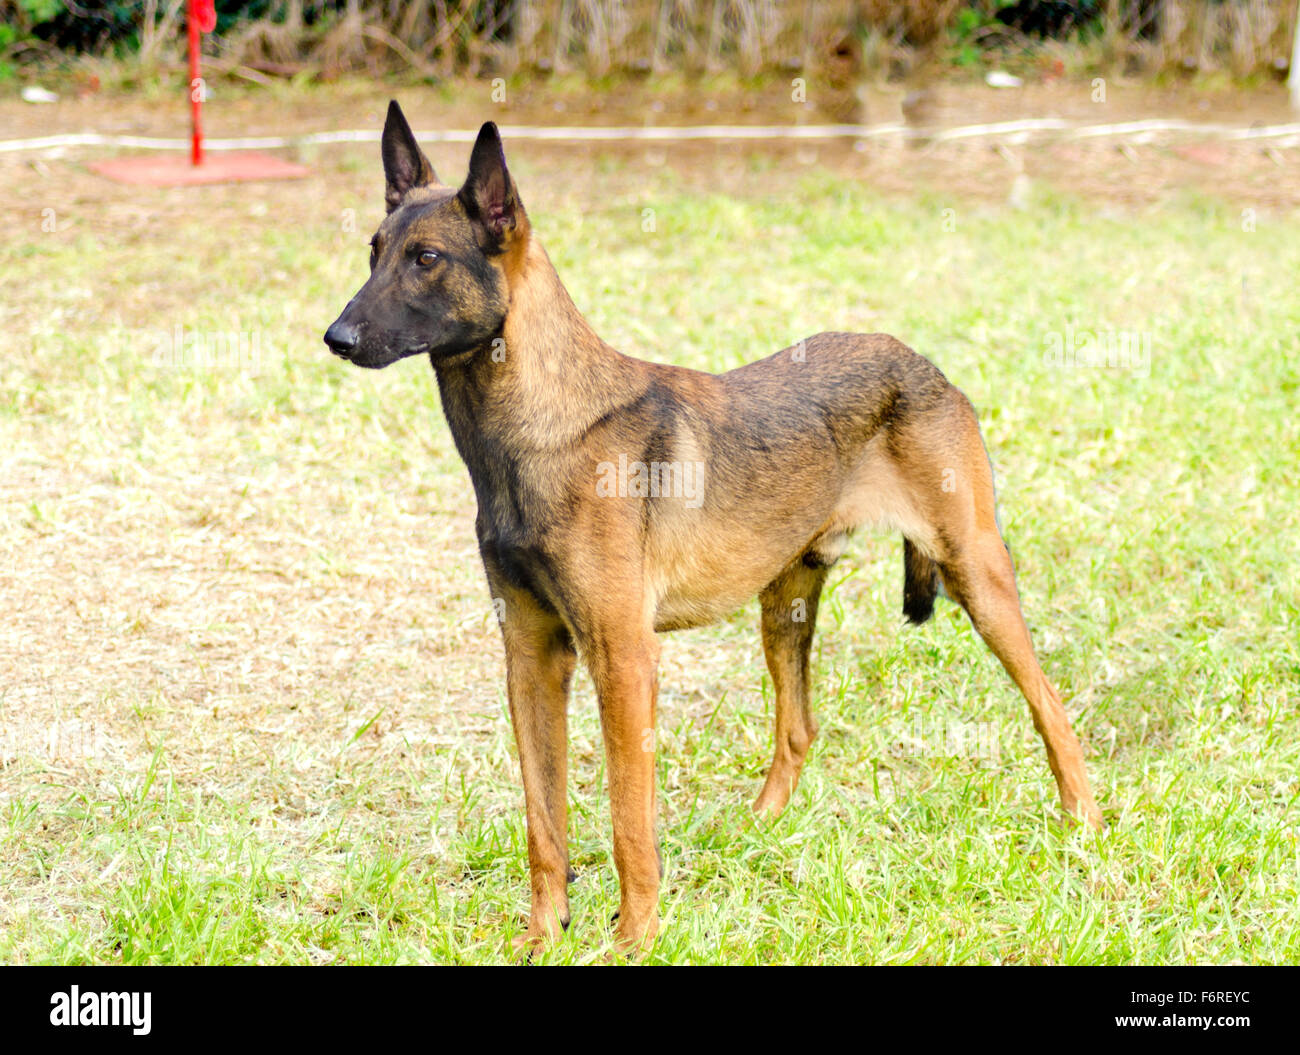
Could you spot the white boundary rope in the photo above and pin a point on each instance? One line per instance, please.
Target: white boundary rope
(560, 133)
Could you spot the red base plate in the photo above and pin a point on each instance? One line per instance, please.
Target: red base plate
(173, 170)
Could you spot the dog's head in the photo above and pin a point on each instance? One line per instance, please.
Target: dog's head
(439, 263)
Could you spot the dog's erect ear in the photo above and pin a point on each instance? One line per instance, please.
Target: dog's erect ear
(489, 194)
(405, 165)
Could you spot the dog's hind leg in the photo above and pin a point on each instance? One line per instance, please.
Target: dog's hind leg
(977, 573)
(540, 659)
(789, 618)
(982, 581)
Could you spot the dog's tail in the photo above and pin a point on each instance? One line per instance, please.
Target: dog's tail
(921, 584)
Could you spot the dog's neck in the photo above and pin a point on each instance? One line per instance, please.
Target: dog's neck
(546, 379)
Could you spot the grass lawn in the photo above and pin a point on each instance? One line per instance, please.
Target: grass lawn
(251, 687)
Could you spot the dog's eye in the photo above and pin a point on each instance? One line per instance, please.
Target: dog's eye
(426, 258)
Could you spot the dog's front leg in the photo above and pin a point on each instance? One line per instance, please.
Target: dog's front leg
(624, 666)
(539, 663)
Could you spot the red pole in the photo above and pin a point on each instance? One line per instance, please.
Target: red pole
(196, 86)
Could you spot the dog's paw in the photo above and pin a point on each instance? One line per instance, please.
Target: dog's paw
(523, 947)
(1083, 813)
(526, 946)
(632, 941)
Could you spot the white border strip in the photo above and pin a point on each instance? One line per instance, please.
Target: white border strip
(674, 134)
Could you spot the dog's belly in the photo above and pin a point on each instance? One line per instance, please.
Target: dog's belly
(703, 576)
(682, 611)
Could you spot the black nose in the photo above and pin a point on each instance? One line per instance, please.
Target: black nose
(342, 337)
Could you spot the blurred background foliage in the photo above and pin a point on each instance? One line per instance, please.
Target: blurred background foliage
(444, 38)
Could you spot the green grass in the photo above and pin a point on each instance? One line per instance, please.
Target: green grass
(253, 594)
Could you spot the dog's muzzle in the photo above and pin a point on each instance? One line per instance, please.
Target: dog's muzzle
(342, 338)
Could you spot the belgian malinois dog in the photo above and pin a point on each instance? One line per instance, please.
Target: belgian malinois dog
(619, 498)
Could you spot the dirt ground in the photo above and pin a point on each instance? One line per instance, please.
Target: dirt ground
(1134, 168)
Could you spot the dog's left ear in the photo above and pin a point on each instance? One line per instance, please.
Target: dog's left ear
(489, 194)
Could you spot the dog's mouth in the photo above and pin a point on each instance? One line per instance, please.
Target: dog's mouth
(360, 355)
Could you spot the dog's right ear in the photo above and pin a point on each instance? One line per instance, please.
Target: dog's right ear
(405, 165)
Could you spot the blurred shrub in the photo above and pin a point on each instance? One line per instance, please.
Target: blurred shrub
(439, 38)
